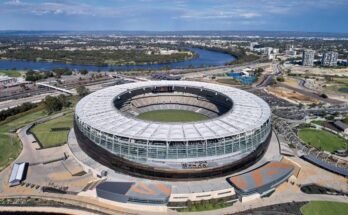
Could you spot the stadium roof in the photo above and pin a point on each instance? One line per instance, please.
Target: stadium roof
(263, 178)
(248, 113)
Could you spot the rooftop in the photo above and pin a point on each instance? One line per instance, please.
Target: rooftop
(341, 125)
(261, 178)
(248, 113)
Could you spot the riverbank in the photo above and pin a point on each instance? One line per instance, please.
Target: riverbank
(98, 57)
(240, 55)
(205, 58)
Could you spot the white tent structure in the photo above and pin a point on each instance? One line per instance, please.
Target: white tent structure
(17, 173)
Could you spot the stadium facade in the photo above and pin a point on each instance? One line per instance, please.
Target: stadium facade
(236, 134)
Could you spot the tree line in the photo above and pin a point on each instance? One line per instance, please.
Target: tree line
(95, 57)
(16, 110)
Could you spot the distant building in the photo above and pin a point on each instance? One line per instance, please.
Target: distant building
(329, 59)
(308, 58)
(252, 45)
(291, 53)
(5, 80)
(290, 50)
(164, 76)
(270, 52)
(341, 126)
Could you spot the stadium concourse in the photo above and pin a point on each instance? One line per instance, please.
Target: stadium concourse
(180, 191)
(172, 163)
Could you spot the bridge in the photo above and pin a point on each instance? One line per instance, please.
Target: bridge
(56, 88)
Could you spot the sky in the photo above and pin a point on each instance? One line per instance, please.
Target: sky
(175, 15)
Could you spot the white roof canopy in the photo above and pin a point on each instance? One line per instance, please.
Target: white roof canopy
(248, 113)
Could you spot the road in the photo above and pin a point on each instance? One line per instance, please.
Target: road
(33, 99)
(311, 94)
(267, 80)
(44, 210)
(303, 90)
(30, 153)
(274, 199)
(94, 87)
(217, 71)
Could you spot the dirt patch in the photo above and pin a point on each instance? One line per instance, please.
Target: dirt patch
(291, 82)
(291, 96)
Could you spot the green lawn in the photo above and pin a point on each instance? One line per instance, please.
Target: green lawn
(11, 73)
(10, 149)
(323, 140)
(49, 138)
(10, 146)
(324, 208)
(204, 207)
(228, 81)
(340, 81)
(319, 122)
(172, 116)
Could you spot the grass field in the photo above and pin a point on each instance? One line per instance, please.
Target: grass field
(319, 122)
(11, 73)
(49, 138)
(323, 140)
(324, 208)
(172, 116)
(228, 81)
(10, 146)
(204, 207)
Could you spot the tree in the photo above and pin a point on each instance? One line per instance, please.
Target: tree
(323, 95)
(280, 79)
(259, 71)
(83, 72)
(53, 104)
(63, 99)
(61, 71)
(19, 109)
(82, 91)
(345, 120)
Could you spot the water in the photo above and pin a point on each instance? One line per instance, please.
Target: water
(205, 58)
(343, 89)
(246, 80)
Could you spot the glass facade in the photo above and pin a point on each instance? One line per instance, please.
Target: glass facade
(140, 150)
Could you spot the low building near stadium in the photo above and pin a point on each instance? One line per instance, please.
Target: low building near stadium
(262, 181)
(18, 173)
(139, 192)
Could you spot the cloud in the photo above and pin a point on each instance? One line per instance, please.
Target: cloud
(176, 14)
(219, 15)
(13, 2)
(186, 9)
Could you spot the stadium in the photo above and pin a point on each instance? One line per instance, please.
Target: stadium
(173, 129)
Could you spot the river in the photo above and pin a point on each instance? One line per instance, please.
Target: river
(205, 57)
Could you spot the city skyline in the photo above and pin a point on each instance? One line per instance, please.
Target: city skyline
(176, 15)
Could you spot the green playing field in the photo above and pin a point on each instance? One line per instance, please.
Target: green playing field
(172, 116)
